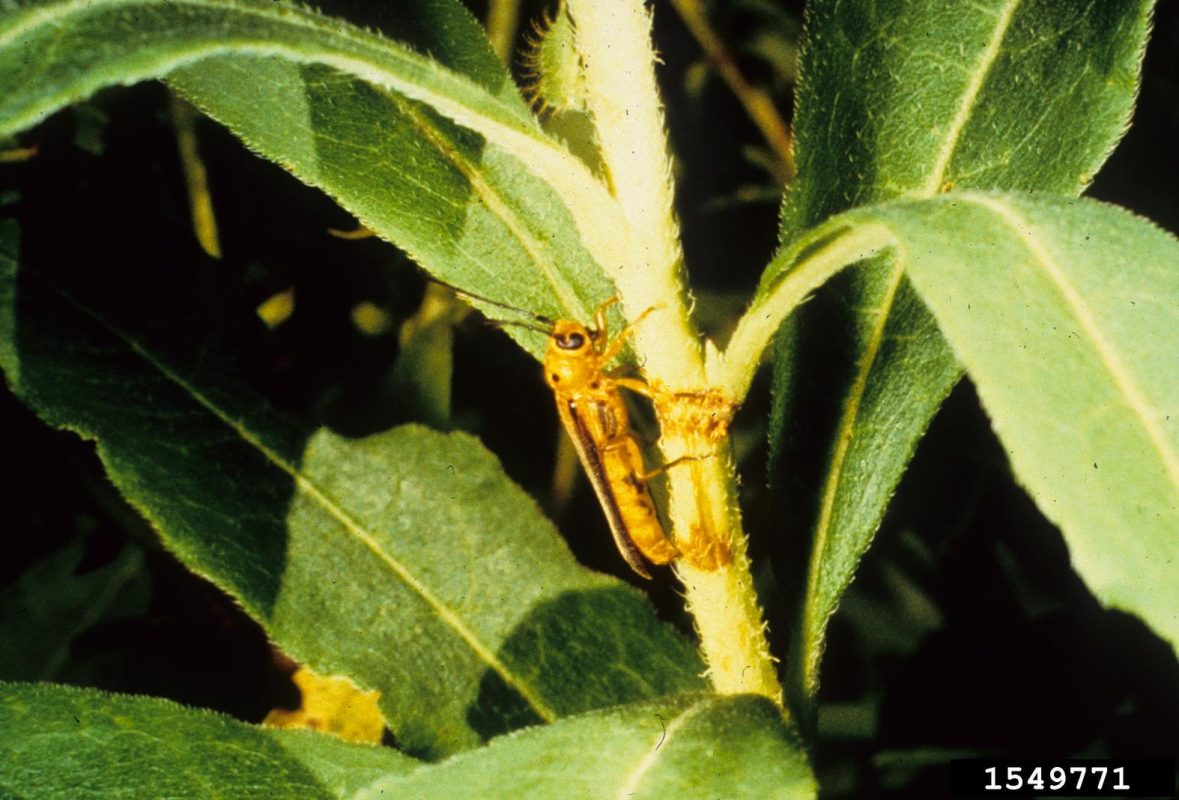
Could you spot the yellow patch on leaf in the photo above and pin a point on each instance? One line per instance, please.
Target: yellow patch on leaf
(332, 704)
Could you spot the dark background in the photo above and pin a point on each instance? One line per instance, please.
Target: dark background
(966, 633)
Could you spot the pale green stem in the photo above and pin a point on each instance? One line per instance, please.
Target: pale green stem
(613, 39)
(826, 253)
(723, 602)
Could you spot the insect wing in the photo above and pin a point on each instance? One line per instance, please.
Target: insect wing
(583, 420)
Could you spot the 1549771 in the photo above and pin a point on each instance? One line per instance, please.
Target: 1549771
(1089, 777)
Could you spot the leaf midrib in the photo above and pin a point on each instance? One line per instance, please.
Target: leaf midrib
(329, 506)
(51, 14)
(1132, 394)
(852, 405)
(969, 98)
(374, 60)
(843, 442)
(629, 787)
(494, 202)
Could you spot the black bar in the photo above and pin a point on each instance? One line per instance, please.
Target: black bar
(1028, 777)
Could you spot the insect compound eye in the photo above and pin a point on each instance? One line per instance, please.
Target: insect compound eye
(570, 341)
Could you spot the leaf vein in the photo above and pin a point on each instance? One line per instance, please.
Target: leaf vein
(371, 58)
(333, 509)
(969, 98)
(497, 206)
(636, 776)
(1132, 394)
(843, 440)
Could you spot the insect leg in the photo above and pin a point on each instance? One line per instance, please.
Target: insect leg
(615, 347)
(637, 386)
(675, 462)
(600, 314)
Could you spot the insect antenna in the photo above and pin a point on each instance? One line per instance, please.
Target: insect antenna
(539, 318)
(508, 323)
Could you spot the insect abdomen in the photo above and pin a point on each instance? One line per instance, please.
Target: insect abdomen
(623, 464)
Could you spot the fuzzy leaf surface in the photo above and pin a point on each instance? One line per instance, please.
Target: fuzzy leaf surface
(405, 560)
(913, 98)
(59, 742)
(1064, 314)
(693, 746)
(441, 157)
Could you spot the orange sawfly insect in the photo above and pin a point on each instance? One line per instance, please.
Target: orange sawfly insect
(593, 411)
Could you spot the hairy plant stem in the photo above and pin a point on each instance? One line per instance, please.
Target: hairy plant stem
(721, 598)
(613, 40)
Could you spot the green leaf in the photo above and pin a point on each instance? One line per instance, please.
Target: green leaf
(469, 213)
(692, 746)
(504, 211)
(1024, 94)
(914, 98)
(343, 767)
(406, 560)
(1064, 313)
(45, 609)
(56, 53)
(59, 742)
